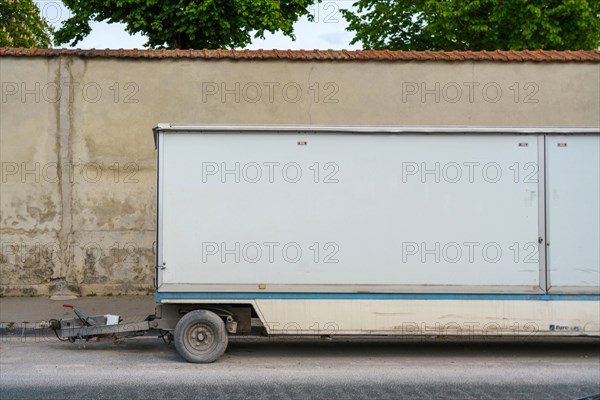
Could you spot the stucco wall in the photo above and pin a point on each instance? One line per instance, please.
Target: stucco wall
(77, 207)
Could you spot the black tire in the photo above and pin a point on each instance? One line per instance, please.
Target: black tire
(200, 337)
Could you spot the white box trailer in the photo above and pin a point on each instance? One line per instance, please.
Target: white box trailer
(437, 231)
(383, 230)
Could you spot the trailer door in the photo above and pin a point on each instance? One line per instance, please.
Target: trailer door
(573, 209)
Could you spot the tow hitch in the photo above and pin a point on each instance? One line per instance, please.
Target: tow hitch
(87, 327)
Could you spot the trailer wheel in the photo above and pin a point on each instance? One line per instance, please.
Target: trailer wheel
(200, 336)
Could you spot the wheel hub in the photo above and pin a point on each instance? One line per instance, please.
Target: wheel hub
(199, 337)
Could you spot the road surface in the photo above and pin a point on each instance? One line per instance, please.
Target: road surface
(269, 368)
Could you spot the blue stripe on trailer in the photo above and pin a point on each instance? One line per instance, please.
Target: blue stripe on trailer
(368, 296)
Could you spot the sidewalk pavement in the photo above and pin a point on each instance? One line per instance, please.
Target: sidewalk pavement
(33, 312)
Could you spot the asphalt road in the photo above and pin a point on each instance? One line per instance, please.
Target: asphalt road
(339, 369)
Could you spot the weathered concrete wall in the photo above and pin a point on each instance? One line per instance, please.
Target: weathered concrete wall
(77, 209)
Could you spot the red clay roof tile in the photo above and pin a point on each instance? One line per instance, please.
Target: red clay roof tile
(318, 55)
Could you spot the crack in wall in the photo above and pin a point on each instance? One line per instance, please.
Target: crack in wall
(65, 156)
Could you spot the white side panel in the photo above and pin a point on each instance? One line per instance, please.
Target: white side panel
(573, 196)
(430, 317)
(335, 209)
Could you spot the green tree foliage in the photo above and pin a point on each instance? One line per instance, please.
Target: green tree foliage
(476, 24)
(22, 26)
(186, 24)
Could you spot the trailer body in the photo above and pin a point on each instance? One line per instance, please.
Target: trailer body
(381, 230)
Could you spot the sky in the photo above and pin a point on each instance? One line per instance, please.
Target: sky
(327, 31)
